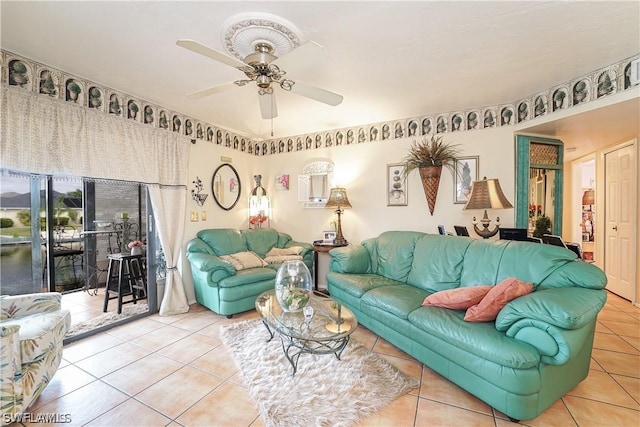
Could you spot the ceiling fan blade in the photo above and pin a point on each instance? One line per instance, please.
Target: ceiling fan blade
(212, 90)
(196, 47)
(306, 54)
(268, 107)
(316, 93)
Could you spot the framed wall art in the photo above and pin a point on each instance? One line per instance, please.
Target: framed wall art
(396, 185)
(282, 182)
(466, 172)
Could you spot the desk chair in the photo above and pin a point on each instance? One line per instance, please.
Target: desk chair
(551, 239)
(461, 230)
(519, 234)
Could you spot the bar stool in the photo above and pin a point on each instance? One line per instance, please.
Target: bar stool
(126, 276)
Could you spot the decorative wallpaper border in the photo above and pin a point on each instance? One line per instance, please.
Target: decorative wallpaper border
(47, 81)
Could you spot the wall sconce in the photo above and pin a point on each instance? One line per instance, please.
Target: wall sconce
(338, 200)
(486, 194)
(258, 205)
(196, 194)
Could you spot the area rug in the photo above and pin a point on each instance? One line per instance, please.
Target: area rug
(325, 391)
(106, 319)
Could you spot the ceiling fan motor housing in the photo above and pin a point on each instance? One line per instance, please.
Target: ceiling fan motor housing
(262, 55)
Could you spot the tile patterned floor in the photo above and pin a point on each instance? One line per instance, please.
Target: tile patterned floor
(175, 371)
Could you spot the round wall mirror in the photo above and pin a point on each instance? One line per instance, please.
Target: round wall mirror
(225, 186)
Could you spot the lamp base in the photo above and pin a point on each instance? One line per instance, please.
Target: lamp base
(339, 240)
(484, 232)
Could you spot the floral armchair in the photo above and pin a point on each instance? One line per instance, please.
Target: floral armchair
(32, 328)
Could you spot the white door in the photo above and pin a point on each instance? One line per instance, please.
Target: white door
(620, 221)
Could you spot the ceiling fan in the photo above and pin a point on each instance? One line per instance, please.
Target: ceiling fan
(264, 68)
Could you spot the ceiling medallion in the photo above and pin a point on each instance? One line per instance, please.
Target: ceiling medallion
(242, 32)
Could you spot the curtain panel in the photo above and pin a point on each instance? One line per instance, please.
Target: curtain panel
(50, 136)
(169, 209)
(53, 137)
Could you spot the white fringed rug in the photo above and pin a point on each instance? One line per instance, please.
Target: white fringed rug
(325, 391)
(107, 318)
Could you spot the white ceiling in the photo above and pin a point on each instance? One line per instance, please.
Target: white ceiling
(390, 60)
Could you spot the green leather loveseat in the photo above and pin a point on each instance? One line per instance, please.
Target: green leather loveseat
(537, 349)
(228, 289)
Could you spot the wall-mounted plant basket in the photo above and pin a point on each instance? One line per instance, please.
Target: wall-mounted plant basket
(430, 176)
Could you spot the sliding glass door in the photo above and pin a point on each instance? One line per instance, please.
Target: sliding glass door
(57, 233)
(21, 255)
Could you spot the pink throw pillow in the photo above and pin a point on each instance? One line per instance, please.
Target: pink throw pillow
(505, 291)
(457, 298)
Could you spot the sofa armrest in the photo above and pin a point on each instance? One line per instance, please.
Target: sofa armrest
(306, 247)
(566, 308)
(306, 253)
(212, 265)
(352, 259)
(11, 393)
(556, 345)
(557, 322)
(28, 304)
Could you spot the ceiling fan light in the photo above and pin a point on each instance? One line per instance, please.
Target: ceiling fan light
(263, 82)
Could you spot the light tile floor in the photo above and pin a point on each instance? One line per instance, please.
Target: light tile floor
(175, 371)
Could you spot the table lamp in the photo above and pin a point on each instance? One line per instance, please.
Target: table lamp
(338, 200)
(486, 194)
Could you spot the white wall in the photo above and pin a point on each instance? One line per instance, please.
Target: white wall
(361, 169)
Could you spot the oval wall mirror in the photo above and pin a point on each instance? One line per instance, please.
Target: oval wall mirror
(225, 186)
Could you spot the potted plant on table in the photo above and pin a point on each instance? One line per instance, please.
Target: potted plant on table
(136, 247)
(543, 226)
(429, 156)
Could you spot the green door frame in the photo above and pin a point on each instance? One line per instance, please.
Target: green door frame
(523, 165)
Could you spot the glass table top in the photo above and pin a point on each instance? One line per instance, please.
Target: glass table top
(323, 319)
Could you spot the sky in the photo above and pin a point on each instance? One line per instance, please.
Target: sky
(21, 185)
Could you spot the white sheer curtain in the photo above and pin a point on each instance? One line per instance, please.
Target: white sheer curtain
(50, 136)
(169, 209)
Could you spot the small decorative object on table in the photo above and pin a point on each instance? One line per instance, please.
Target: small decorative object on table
(293, 285)
(136, 247)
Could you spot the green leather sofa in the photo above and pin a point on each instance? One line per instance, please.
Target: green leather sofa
(537, 349)
(222, 288)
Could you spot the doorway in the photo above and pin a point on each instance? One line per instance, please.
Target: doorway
(621, 219)
(584, 210)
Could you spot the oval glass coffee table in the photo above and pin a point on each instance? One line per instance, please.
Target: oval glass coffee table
(322, 327)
